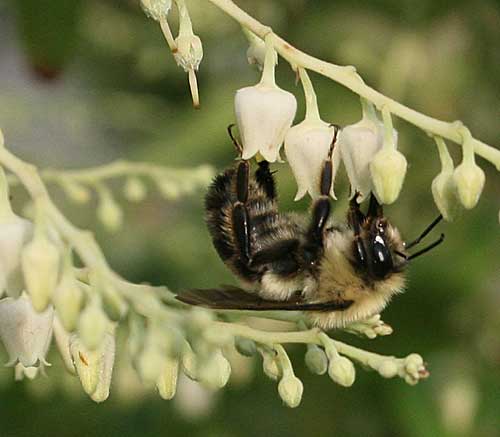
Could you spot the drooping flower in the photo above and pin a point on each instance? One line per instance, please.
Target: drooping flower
(443, 186)
(264, 113)
(25, 333)
(94, 367)
(308, 144)
(359, 143)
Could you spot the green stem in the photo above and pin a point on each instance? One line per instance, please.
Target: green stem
(444, 155)
(312, 110)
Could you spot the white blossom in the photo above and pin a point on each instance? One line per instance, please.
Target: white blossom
(25, 333)
(264, 114)
(307, 145)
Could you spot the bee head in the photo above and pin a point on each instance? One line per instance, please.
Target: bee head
(378, 249)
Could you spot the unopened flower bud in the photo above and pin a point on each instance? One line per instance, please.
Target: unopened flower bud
(156, 9)
(40, 261)
(359, 143)
(316, 360)
(342, 371)
(189, 52)
(264, 113)
(25, 333)
(94, 367)
(444, 192)
(92, 324)
(270, 366)
(214, 372)
(306, 147)
(290, 389)
(469, 179)
(167, 382)
(388, 368)
(75, 191)
(135, 190)
(189, 363)
(68, 299)
(15, 232)
(150, 362)
(167, 187)
(114, 304)
(256, 51)
(245, 347)
(108, 211)
(388, 170)
(62, 338)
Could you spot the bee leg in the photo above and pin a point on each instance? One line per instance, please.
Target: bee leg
(240, 217)
(320, 213)
(354, 218)
(265, 180)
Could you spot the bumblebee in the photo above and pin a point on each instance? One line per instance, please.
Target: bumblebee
(337, 273)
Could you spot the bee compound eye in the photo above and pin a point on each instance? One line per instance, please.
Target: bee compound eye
(382, 259)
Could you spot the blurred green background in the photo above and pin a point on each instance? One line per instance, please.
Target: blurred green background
(86, 82)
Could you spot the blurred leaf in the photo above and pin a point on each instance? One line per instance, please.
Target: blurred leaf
(49, 33)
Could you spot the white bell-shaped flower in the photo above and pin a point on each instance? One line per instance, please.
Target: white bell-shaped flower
(306, 147)
(25, 333)
(156, 9)
(264, 113)
(359, 143)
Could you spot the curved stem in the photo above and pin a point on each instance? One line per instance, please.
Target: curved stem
(312, 110)
(348, 77)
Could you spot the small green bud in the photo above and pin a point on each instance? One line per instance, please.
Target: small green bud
(40, 263)
(135, 190)
(150, 362)
(469, 179)
(388, 368)
(108, 211)
(388, 170)
(68, 299)
(270, 366)
(94, 367)
(75, 191)
(290, 389)
(189, 363)
(342, 371)
(167, 382)
(445, 195)
(316, 360)
(92, 324)
(245, 347)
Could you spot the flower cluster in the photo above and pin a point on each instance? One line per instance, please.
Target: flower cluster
(82, 308)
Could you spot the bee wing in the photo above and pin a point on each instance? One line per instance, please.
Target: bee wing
(229, 297)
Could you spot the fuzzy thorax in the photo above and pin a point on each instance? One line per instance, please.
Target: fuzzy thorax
(338, 280)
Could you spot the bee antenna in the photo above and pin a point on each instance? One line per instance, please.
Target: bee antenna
(233, 138)
(426, 249)
(424, 234)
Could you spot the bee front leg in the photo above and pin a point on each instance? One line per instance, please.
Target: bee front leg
(240, 216)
